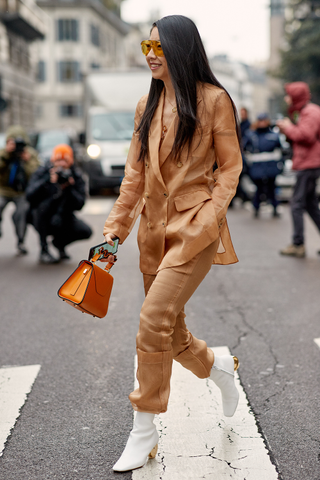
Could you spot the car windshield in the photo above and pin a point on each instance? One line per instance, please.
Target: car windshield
(48, 140)
(112, 126)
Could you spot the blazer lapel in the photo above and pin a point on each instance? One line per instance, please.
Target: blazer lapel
(168, 141)
(154, 138)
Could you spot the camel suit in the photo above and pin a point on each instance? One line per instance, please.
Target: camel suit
(183, 230)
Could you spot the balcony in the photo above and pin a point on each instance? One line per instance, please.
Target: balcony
(26, 20)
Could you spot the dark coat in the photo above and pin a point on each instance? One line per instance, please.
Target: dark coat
(49, 199)
(264, 153)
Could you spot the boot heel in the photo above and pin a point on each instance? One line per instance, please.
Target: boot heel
(236, 363)
(153, 452)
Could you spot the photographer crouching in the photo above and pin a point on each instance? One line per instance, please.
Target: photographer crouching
(18, 161)
(55, 191)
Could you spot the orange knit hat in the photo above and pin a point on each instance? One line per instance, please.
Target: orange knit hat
(63, 151)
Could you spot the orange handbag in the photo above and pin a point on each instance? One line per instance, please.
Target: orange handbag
(88, 288)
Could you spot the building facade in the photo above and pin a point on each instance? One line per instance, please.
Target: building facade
(277, 42)
(247, 85)
(22, 22)
(81, 36)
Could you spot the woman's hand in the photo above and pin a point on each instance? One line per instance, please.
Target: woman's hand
(283, 124)
(109, 237)
(111, 259)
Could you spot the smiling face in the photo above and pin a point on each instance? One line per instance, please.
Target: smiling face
(157, 65)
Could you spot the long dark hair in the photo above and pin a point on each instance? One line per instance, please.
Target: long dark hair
(187, 64)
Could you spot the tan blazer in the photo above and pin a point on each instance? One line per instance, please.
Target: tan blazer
(182, 202)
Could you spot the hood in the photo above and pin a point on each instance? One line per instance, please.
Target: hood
(17, 131)
(300, 94)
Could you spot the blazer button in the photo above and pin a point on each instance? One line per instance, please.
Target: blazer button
(179, 164)
(146, 195)
(165, 194)
(149, 225)
(164, 224)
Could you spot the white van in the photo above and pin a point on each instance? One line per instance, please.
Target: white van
(110, 102)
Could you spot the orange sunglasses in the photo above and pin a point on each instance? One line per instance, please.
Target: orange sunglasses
(146, 46)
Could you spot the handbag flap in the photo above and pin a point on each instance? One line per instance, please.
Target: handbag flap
(75, 286)
(103, 281)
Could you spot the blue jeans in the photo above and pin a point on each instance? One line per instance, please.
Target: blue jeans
(304, 198)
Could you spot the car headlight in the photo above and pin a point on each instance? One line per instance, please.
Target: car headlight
(93, 151)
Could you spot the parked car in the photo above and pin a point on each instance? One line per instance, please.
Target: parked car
(45, 141)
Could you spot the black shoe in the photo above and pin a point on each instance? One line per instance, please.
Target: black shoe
(276, 214)
(256, 213)
(47, 258)
(22, 249)
(64, 255)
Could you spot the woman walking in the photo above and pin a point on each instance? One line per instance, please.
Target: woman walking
(181, 174)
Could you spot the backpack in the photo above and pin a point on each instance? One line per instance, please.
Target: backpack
(17, 176)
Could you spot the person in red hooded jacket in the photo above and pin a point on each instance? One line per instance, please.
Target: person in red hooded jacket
(303, 131)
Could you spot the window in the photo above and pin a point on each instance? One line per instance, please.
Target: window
(70, 110)
(95, 66)
(67, 30)
(41, 71)
(38, 111)
(95, 35)
(69, 72)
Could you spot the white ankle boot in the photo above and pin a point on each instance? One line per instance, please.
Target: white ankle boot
(142, 443)
(222, 373)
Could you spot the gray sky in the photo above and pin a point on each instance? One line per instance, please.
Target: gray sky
(239, 28)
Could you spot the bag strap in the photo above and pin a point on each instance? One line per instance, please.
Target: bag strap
(109, 265)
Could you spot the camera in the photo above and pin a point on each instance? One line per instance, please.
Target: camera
(20, 145)
(63, 175)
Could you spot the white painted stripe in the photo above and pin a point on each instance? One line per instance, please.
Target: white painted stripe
(97, 206)
(15, 384)
(197, 441)
(317, 340)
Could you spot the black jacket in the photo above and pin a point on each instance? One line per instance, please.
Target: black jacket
(49, 198)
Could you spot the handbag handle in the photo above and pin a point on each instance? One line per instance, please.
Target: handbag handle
(109, 265)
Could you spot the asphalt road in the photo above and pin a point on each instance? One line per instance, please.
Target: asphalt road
(76, 420)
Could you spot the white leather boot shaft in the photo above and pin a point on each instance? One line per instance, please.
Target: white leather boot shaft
(222, 373)
(142, 439)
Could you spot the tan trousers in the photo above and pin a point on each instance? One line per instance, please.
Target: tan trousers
(163, 335)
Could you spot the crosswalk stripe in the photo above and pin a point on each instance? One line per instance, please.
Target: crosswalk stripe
(197, 441)
(15, 384)
(317, 340)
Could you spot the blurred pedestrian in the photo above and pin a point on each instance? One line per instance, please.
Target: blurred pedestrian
(263, 152)
(185, 125)
(302, 129)
(244, 128)
(18, 160)
(55, 191)
(245, 123)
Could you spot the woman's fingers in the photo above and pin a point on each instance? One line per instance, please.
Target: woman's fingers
(109, 237)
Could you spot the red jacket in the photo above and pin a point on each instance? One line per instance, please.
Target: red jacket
(305, 135)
